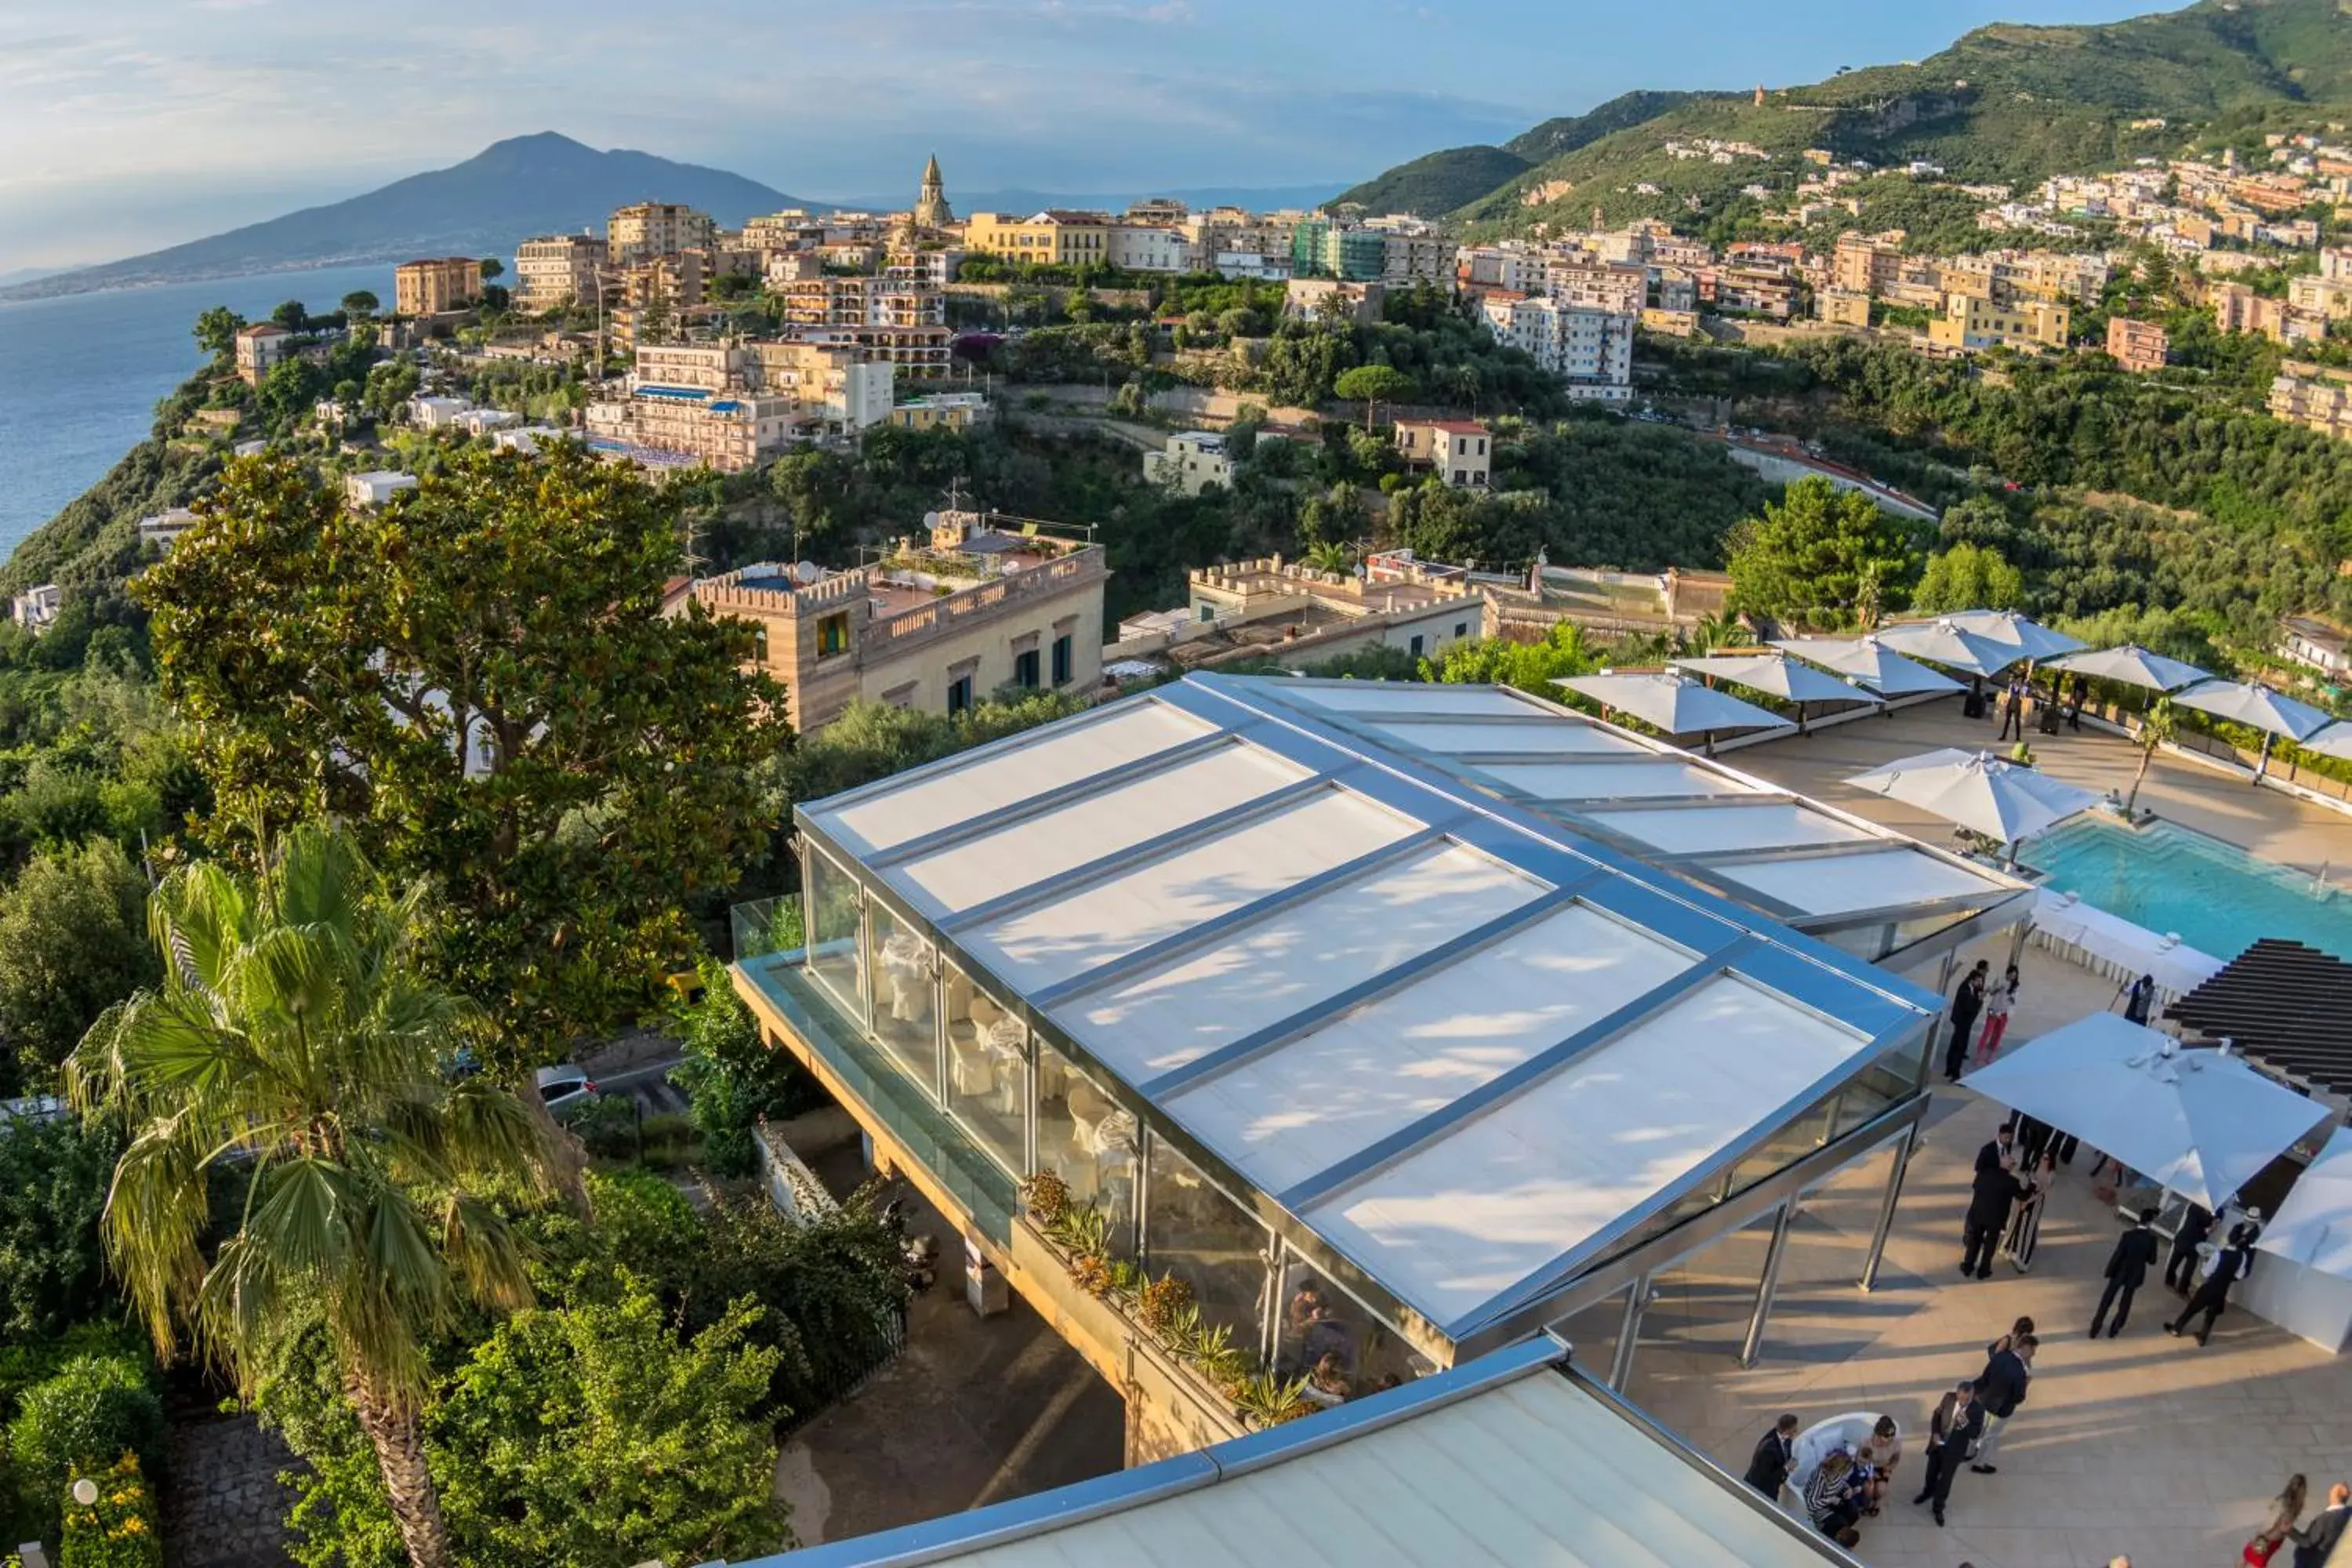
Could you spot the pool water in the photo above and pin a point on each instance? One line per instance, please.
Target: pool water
(2164, 878)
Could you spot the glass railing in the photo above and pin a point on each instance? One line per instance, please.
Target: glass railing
(930, 1137)
(766, 926)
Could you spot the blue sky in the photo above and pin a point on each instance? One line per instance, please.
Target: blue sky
(137, 123)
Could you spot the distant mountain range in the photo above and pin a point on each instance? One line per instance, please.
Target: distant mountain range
(525, 185)
(2005, 104)
(546, 183)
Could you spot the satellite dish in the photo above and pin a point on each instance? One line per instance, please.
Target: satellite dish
(930, 519)
(807, 572)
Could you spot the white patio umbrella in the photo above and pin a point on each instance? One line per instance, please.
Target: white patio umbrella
(2133, 665)
(2334, 741)
(2314, 1225)
(1870, 662)
(1783, 677)
(2021, 632)
(1672, 702)
(2201, 1123)
(1946, 643)
(1978, 790)
(2248, 702)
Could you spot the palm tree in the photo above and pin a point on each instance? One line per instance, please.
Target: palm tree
(294, 1034)
(2157, 726)
(1331, 556)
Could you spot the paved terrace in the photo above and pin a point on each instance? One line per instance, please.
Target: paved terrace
(2143, 1444)
(2268, 822)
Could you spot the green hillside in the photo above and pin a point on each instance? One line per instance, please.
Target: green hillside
(1567, 133)
(2006, 103)
(1436, 183)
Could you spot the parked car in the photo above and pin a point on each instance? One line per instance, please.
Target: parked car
(567, 1089)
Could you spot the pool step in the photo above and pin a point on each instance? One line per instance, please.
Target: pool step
(2282, 1002)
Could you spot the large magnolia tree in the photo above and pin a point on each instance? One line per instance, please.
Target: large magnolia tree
(480, 680)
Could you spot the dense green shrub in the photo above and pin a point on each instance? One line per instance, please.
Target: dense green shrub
(90, 1412)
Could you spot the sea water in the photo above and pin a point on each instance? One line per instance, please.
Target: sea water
(80, 375)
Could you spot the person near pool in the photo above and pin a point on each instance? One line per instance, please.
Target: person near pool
(1999, 997)
(2139, 999)
(1966, 1003)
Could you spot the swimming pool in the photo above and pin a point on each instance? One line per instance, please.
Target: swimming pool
(2169, 878)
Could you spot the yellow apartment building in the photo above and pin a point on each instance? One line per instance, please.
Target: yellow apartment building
(428, 288)
(1055, 238)
(1970, 323)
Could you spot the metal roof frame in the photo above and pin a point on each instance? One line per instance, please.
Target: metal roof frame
(1832, 985)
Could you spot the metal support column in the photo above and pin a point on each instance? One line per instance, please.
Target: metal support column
(1773, 1251)
(1628, 1332)
(1903, 1148)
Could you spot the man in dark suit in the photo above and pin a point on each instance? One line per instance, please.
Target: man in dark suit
(2232, 1263)
(2128, 1267)
(2181, 1269)
(1966, 1003)
(2001, 1388)
(1776, 1451)
(1958, 1422)
(1989, 1199)
(1999, 1147)
(2316, 1542)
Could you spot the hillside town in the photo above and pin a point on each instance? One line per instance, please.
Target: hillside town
(1575, 884)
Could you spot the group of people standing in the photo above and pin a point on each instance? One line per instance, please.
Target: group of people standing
(1980, 995)
(1849, 1482)
(2061, 702)
(2014, 1173)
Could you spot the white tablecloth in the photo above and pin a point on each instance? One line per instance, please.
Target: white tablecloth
(2109, 945)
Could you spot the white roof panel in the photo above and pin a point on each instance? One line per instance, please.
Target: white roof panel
(1534, 740)
(1106, 921)
(1767, 825)
(1838, 884)
(1036, 848)
(1670, 774)
(1008, 777)
(1309, 1105)
(1379, 696)
(1463, 1220)
(1293, 959)
(1534, 1470)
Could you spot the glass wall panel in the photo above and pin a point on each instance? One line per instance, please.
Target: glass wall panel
(906, 990)
(1083, 1138)
(834, 959)
(988, 1071)
(1195, 1231)
(1328, 1337)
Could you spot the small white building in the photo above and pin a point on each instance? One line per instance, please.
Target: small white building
(249, 448)
(437, 413)
(36, 609)
(1193, 460)
(164, 528)
(1144, 247)
(482, 421)
(376, 486)
(528, 439)
(1458, 450)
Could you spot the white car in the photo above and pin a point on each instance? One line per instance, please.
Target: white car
(567, 1089)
